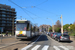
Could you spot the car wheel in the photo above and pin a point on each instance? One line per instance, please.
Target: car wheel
(55, 39)
(58, 40)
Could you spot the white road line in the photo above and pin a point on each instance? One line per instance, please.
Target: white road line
(36, 47)
(25, 48)
(56, 48)
(36, 40)
(45, 47)
(64, 47)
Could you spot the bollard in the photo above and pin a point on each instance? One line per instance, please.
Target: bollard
(3, 35)
(10, 35)
(16, 49)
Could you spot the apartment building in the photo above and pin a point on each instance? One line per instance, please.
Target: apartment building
(7, 18)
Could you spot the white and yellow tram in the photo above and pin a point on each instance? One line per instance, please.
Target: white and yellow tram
(25, 29)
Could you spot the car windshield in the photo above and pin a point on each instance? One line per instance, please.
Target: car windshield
(59, 34)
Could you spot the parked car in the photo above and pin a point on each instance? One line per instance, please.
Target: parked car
(48, 33)
(54, 35)
(65, 37)
(51, 34)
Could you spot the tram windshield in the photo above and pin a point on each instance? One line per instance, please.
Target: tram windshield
(21, 26)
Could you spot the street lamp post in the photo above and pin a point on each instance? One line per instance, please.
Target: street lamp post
(52, 24)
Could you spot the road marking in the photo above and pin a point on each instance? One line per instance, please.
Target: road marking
(25, 48)
(64, 47)
(56, 48)
(36, 47)
(54, 40)
(45, 47)
(36, 39)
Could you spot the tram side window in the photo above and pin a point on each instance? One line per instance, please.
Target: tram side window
(28, 29)
(32, 30)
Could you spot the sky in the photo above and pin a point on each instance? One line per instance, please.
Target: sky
(37, 11)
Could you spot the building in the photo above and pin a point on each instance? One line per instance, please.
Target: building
(44, 28)
(7, 18)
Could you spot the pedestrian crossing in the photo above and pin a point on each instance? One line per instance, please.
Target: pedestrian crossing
(36, 47)
(45, 47)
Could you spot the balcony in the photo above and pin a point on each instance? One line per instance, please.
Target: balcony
(3, 12)
(13, 14)
(3, 9)
(9, 22)
(0, 22)
(9, 25)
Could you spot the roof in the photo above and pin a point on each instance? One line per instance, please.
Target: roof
(21, 20)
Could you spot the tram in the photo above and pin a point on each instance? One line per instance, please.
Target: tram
(25, 29)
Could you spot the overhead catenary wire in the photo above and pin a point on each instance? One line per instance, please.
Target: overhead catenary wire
(25, 11)
(45, 10)
(41, 3)
(21, 8)
(29, 11)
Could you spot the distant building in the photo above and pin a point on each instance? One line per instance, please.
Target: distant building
(44, 28)
(7, 18)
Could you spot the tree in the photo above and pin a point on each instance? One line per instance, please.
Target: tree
(74, 23)
(50, 29)
(58, 30)
(72, 27)
(66, 27)
(58, 24)
(57, 27)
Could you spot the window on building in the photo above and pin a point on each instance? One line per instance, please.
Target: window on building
(3, 9)
(3, 21)
(10, 10)
(3, 12)
(7, 9)
(3, 15)
(3, 24)
(3, 18)
(8, 16)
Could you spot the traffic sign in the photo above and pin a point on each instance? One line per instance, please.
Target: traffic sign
(1, 29)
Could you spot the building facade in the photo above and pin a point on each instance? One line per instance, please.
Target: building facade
(44, 28)
(7, 18)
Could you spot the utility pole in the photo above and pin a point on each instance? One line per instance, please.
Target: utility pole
(61, 25)
(53, 27)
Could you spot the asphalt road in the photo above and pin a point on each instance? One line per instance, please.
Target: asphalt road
(44, 42)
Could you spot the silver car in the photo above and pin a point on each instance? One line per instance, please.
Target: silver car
(64, 37)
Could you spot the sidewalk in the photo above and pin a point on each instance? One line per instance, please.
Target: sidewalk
(6, 42)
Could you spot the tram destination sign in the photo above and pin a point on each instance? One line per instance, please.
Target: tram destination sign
(22, 21)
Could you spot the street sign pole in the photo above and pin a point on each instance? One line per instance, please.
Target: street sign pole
(1, 36)
(1, 33)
